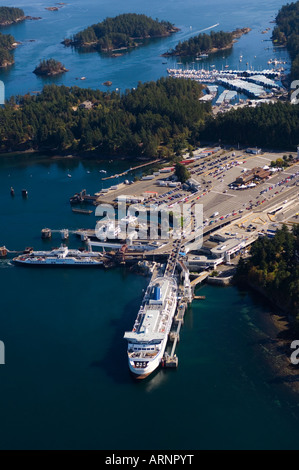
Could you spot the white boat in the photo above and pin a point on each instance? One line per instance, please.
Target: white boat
(102, 171)
(59, 257)
(148, 338)
(109, 230)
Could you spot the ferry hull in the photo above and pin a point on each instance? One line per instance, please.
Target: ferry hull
(56, 265)
(142, 373)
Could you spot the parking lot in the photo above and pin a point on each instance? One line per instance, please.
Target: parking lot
(214, 174)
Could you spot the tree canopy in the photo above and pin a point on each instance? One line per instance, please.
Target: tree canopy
(273, 267)
(120, 32)
(152, 120)
(181, 173)
(49, 67)
(202, 43)
(6, 44)
(10, 14)
(287, 33)
(268, 125)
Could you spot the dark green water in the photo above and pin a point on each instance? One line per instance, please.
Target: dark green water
(66, 382)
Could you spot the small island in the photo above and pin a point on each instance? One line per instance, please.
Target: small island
(121, 33)
(207, 43)
(50, 68)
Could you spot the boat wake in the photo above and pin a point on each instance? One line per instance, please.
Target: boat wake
(205, 29)
(194, 33)
(210, 27)
(5, 264)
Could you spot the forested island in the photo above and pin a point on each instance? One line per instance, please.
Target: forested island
(11, 15)
(155, 119)
(273, 270)
(286, 33)
(206, 43)
(7, 43)
(49, 68)
(120, 32)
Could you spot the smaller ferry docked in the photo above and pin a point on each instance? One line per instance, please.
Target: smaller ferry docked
(59, 257)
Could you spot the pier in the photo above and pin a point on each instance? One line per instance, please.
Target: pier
(185, 297)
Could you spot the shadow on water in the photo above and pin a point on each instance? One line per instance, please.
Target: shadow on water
(285, 378)
(115, 363)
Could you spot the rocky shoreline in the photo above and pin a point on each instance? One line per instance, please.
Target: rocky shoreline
(48, 72)
(278, 334)
(19, 20)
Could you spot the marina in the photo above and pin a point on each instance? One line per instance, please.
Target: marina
(253, 83)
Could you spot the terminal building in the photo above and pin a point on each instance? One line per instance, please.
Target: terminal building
(256, 174)
(213, 253)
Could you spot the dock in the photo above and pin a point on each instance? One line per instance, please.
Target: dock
(131, 169)
(184, 299)
(203, 275)
(171, 360)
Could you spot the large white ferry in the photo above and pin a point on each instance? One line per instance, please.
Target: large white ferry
(60, 257)
(147, 340)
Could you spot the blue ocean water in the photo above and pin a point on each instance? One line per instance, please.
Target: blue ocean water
(141, 64)
(66, 384)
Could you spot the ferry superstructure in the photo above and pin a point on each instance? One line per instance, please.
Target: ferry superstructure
(148, 338)
(59, 257)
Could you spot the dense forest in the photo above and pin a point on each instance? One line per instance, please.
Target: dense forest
(9, 15)
(268, 125)
(49, 67)
(120, 32)
(156, 118)
(274, 268)
(6, 44)
(287, 33)
(204, 43)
